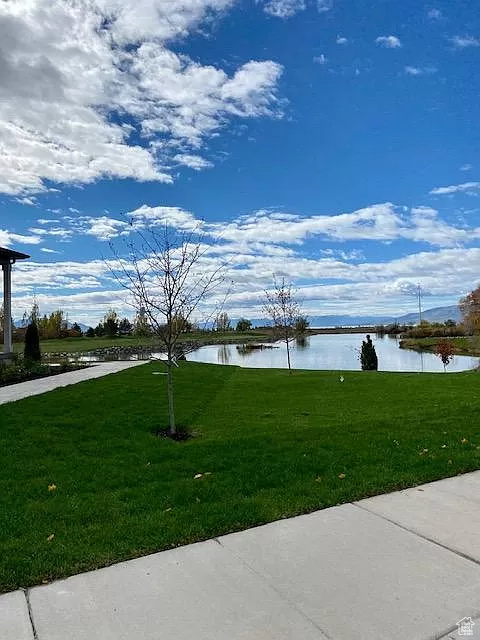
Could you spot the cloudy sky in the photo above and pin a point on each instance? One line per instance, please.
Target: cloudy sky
(334, 143)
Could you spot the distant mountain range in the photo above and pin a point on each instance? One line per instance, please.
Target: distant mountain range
(438, 314)
(20, 324)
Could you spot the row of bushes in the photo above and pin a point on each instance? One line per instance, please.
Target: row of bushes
(21, 370)
(434, 331)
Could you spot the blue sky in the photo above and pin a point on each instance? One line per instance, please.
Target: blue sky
(333, 143)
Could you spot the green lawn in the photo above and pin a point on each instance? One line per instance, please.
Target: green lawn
(269, 445)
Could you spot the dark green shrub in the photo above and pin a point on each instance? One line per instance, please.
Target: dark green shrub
(368, 356)
(31, 351)
(243, 325)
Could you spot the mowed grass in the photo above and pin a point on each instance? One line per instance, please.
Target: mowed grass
(269, 445)
(81, 344)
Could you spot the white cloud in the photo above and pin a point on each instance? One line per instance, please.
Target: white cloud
(471, 188)
(341, 40)
(8, 237)
(192, 161)
(321, 59)
(389, 42)
(58, 232)
(46, 250)
(419, 71)
(160, 216)
(103, 228)
(330, 273)
(31, 201)
(380, 222)
(435, 14)
(288, 8)
(466, 167)
(284, 8)
(67, 67)
(324, 5)
(136, 20)
(464, 42)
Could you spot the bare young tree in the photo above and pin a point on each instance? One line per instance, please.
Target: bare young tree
(282, 308)
(169, 277)
(222, 322)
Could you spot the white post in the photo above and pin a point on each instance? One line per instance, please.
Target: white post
(7, 308)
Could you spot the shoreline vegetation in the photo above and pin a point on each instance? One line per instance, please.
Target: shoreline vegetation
(462, 345)
(129, 345)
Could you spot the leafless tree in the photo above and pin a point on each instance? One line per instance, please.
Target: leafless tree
(284, 310)
(169, 277)
(222, 322)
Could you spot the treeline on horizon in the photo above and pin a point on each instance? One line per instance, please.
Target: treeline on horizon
(55, 325)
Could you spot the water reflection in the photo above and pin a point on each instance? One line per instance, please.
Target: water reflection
(302, 342)
(223, 354)
(335, 352)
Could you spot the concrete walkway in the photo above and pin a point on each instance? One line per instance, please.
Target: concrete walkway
(42, 385)
(403, 566)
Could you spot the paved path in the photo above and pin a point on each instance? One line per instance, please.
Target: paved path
(42, 385)
(403, 566)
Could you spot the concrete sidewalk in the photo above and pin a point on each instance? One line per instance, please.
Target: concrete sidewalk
(403, 566)
(22, 390)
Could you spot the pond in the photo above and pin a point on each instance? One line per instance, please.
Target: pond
(334, 352)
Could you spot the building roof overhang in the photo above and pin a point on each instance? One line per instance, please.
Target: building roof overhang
(7, 256)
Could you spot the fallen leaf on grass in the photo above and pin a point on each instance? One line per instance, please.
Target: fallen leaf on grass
(464, 441)
(341, 476)
(50, 537)
(318, 479)
(52, 487)
(197, 476)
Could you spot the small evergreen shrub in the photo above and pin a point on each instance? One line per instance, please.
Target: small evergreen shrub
(368, 356)
(31, 351)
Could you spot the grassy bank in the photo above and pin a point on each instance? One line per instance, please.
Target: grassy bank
(83, 344)
(268, 446)
(464, 346)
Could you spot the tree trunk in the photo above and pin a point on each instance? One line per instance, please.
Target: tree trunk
(288, 355)
(171, 406)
